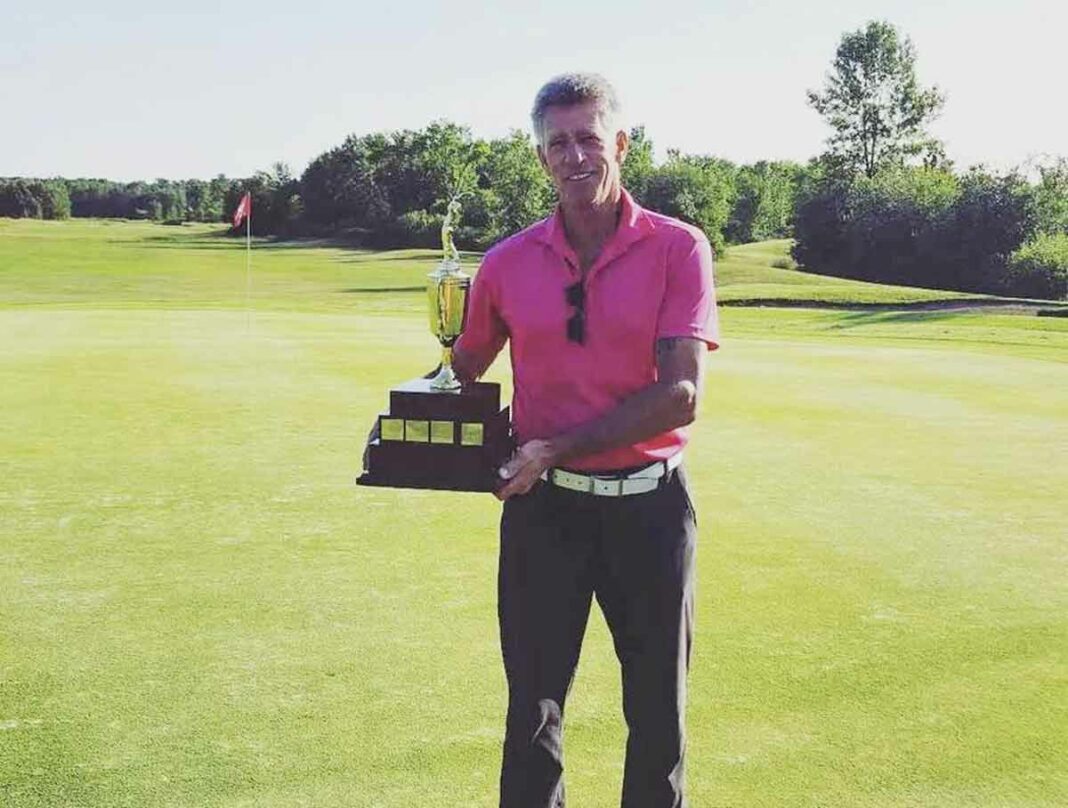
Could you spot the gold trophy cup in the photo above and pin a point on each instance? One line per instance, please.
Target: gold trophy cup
(447, 290)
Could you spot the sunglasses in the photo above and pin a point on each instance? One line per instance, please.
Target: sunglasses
(575, 295)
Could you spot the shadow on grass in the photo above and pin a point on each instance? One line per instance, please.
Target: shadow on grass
(185, 241)
(372, 290)
(908, 310)
(415, 255)
(224, 240)
(952, 330)
(219, 241)
(371, 256)
(864, 318)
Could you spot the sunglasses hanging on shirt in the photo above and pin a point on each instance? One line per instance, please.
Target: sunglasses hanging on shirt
(575, 295)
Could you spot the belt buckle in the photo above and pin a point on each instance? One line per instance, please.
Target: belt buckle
(640, 485)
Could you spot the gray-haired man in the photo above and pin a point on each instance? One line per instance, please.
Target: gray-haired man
(608, 310)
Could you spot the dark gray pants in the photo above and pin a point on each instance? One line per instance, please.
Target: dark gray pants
(636, 554)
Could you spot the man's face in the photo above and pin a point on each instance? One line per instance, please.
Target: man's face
(583, 157)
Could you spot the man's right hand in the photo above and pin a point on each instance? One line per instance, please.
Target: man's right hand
(525, 468)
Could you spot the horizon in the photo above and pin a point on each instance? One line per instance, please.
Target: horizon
(200, 92)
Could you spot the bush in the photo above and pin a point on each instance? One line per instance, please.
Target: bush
(1040, 268)
(416, 228)
(821, 220)
(917, 227)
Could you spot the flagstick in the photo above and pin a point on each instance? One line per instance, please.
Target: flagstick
(248, 270)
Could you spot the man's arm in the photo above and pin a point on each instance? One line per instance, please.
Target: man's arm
(468, 366)
(485, 332)
(668, 403)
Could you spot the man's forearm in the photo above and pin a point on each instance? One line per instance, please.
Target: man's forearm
(467, 366)
(660, 407)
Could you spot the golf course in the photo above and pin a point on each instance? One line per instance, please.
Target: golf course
(199, 608)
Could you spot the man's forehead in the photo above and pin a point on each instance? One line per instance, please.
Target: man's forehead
(582, 117)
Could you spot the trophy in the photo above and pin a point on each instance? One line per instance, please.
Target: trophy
(439, 432)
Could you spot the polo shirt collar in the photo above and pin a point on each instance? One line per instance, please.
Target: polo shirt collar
(634, 225)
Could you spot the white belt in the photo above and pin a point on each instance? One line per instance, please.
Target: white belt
(638, 482)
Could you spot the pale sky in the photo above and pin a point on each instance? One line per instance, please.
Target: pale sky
(122, 90)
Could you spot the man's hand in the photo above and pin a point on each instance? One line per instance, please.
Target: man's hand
(525, 467)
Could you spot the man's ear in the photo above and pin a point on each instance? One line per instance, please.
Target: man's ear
(541, 156)
(622, 145)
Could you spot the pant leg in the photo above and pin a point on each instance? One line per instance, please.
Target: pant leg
(544, 592)
(646, 591)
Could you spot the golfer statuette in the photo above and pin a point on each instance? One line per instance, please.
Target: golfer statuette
(440, 433)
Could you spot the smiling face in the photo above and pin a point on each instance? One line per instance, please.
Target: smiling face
(582, 155)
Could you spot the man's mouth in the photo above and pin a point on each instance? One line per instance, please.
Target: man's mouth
(585, 175)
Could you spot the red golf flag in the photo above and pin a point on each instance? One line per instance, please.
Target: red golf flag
(244, 209)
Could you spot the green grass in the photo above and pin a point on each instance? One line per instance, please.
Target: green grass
(198, 608)
(111, 263)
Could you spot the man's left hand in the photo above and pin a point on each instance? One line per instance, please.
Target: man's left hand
(527, 465)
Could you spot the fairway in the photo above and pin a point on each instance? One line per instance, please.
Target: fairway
(198, 608)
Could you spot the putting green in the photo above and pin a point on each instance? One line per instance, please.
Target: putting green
(199, 608)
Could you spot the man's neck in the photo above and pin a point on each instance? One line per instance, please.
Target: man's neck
(588, 227)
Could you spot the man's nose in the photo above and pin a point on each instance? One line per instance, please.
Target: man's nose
(575, 153)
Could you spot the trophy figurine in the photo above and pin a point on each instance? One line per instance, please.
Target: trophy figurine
(440, 432)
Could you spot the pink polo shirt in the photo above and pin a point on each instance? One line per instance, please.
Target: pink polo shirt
(653, 279)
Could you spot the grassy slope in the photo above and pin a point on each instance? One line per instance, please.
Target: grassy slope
(199, 609)
(100, 262)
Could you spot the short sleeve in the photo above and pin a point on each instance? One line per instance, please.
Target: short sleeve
(485, 332)
(689, 305)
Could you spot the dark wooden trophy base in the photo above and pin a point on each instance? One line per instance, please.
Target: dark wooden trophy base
(446, 440)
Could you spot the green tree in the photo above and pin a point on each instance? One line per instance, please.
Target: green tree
(638, 168)
(698, 190)
(53, 196)
(514, 190)
(764, 206)
(874, 103)
(1051, 197)
(340, 189)
(204, 199)
(276, 202)
(18, 200)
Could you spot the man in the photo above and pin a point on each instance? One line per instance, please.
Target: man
(609, 310)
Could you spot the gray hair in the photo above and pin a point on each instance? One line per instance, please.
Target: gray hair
(569, 89)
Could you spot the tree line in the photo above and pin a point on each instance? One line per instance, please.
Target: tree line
(390, 189)
(159, 200)
(882, 203)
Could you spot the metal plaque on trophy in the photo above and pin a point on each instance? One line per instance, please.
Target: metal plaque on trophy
(442, 433)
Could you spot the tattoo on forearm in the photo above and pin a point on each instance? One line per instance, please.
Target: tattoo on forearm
(667, 345)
